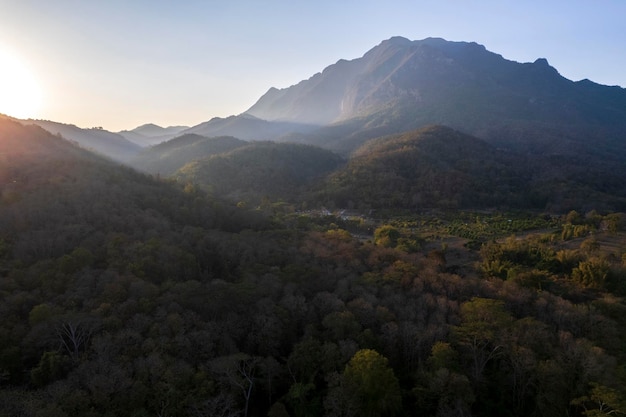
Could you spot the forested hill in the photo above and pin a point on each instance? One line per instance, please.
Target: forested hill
(24, 145)
(57, 197)
(431, 167)
(167, 157)
(440, 167)
(262, 170)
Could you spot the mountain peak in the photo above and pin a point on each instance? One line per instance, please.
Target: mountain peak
(397, 40)
(401, 84)
(542, 65)
(149, 126)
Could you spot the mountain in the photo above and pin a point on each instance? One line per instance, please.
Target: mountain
(401, 85)
(151, 134)
(167, 157)
(283, 171)
(151, 130)
(248, 127)
(98, 140)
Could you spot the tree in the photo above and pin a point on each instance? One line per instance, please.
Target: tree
(592, 273)
(52, 366)
(371, 383)
(74, 334)
(615, 222)
(602, 401)
(238, 370)
(341, 325)
(342, 399)
(573, 217)
(386, 236)
(451, 391)
(442, 355)
(484, 323)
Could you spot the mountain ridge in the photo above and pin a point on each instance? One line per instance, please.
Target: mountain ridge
(151, 134)
(247, 127)
(167, 157)
(106, 143)
(400, 85)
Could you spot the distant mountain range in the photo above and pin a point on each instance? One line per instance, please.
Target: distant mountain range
(248, 127)
(151, 134)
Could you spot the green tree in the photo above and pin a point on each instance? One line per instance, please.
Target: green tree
(449, 391)
(615, 222)
(483, 330)
(573, 217)
(592, 273)
(372, 383)
(386, 236)
(602, 401)
(442, 355)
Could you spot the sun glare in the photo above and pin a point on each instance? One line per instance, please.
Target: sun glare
(20, 95)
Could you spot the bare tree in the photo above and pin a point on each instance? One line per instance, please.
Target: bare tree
(74, 334)
(239, 371)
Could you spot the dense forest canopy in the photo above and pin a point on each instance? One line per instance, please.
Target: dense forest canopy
(124, 294)
(261, 170)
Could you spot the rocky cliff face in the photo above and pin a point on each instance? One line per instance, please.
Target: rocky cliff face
(395, 71)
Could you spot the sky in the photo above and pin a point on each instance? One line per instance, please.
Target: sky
(118, 64)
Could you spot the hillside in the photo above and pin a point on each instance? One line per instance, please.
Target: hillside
(439, 167)
(56, 197)
(167, 157)
(151, 134)
(430, 167)
(247, 127)
(98, 140)
(261, 169)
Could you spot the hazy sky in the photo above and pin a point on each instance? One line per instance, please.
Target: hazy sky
(123, 63)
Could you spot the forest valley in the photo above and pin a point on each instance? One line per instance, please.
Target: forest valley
(126, 294)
